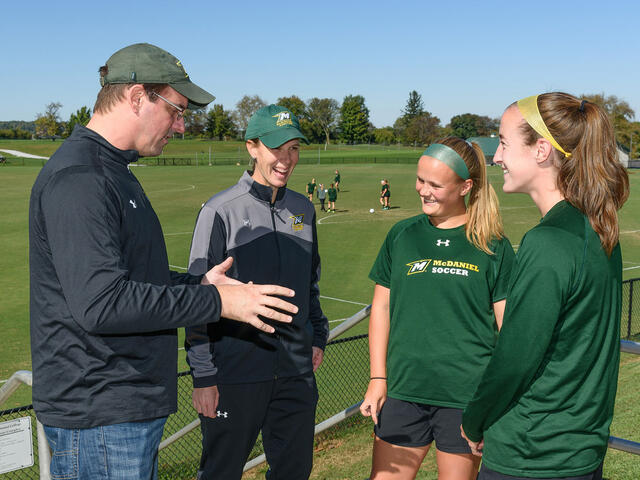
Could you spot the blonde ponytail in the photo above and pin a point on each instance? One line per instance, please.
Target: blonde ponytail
(484, 223)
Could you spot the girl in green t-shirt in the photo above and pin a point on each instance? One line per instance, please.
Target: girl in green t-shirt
(441, 282)
(333, 196)
(545, 402)
(311, 187)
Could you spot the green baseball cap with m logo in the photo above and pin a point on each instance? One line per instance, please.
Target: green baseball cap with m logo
(146, 63)
(274, 125)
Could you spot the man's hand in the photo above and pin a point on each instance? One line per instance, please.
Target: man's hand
(218, 275)
(476, 447)
(244, 302)
(317, 356)
(205, 400)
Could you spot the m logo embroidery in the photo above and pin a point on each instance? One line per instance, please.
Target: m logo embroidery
(298, 222)
(419, 266)
(442, 242)
(133, 202)
(284, 118)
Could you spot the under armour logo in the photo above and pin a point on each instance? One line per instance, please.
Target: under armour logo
(443, 242)
(246, 222)
(222, 414)
(132, 202)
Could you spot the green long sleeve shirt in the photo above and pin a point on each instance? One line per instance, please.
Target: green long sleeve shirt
(545, 402)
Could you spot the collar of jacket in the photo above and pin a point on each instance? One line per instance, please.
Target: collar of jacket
(121, 156)
(261, 192)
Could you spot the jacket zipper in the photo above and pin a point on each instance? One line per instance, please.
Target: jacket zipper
(272, 208)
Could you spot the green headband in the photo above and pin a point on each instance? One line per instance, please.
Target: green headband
(449, 157)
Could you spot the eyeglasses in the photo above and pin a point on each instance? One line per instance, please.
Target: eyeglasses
(180, 114)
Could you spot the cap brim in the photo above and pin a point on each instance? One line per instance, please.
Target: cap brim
(198, 97)
(282, 135)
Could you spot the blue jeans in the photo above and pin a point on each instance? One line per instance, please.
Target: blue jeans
(124, 451)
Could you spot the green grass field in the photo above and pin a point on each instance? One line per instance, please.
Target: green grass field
(349, 241)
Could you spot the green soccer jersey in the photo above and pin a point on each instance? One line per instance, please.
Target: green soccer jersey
(333, 194)
(311, 188)
(545, 401)
(442, 326)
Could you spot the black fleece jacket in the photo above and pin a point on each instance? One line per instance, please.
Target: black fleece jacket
(104, 304)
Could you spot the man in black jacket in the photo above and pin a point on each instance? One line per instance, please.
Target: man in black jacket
(104, 304)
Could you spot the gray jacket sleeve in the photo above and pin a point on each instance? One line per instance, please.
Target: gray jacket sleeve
(208, 248)
(317, 317)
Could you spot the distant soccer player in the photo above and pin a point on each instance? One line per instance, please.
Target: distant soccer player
(336, 180)
(322, 196)
(441, 282)
(333, 196)
(385, 194)
(311, 186)
(545, 403)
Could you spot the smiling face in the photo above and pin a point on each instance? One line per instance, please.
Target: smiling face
(441, 191)
(274, 165)
(159, 121)
(518, 161)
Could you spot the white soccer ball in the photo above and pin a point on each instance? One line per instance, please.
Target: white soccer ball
(371, 210)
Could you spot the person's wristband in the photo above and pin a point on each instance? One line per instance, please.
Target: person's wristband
(377, 378)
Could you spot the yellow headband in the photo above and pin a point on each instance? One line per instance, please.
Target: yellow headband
(529, 109)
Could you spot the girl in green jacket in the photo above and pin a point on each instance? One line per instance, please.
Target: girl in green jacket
(545, 402)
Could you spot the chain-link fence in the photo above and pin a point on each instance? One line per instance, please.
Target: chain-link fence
(630, 324)
(342, 381)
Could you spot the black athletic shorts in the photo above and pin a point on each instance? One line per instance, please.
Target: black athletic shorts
(488, 474)
(410, 424)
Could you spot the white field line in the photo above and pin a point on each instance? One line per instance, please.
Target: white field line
(180, 189)
(319, 222)
(177, 233)
(345, 301)
(629, 231)
(631, 268)
(17, 153)
(321, 296)
(338, 320)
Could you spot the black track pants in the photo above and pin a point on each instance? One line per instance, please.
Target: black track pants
(284, 409)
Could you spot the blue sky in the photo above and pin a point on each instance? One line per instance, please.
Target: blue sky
(462, 56)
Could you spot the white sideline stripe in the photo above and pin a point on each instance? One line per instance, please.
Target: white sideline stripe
(338, 320)
(321, 296)
(319, 222)
(17, 153)
(630, 231)
(177, 189)
(631, 268)
(177, 233)
(345, 301)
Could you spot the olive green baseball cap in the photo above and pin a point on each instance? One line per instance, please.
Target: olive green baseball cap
(146, 63)
(274, 125)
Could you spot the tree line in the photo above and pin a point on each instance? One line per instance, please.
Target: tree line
(325, 120)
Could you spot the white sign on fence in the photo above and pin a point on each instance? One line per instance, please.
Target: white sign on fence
(16, 445)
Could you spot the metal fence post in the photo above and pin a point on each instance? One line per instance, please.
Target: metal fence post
(629, 309)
